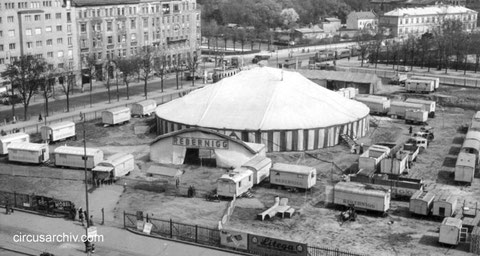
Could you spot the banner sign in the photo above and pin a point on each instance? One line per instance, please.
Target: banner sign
(267, 246)
(147, 228)
(200, 142)
(234, 239)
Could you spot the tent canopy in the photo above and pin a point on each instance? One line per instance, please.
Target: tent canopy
(263, 98)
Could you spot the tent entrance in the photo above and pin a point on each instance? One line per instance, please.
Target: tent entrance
(203, 157)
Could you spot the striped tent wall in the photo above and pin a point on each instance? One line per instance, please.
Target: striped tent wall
(285, 140)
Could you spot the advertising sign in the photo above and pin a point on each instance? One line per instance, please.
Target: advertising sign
(234, 239)
(268, 246)
(147, 228)
(200, 142)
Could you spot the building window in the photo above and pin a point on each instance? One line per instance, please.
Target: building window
(29, 45)
(28, 32)
(109, 26)
(60, 54)
(70, 42)
(37, 17)
(83, 43)
(59, 28)
(69, 17)
(1, 47)
(176, 8)
(133, 24)
(48, 29)
(59, 40)
(133, 37)
(145, 22)
(83, 27)
(58, 16)
(50, 54)
(28, 18)
(49, 42)
(2, 61)
(38, 44)
(10, 19)
(48, 16)
(11, 46)
(145, 36)
(69, 28)
(38, 31)
(165, 8)
(1, 33)
(110, 40)
(11, 33)
(70, 54)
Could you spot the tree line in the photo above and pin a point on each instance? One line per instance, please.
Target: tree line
(445, 47)
(30, 75)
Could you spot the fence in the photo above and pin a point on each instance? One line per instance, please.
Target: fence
(204, 235)
(176, 230)
(466, 82)
(97, 114)
(37, 203)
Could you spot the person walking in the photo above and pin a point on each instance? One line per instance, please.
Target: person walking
(80, 215)
(410, 130)
(90, 221)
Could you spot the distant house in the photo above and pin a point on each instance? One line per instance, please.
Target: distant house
(314, 32)
(362, 20)
(331, 25)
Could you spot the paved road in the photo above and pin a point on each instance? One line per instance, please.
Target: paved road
(76, 101)
(116, 242)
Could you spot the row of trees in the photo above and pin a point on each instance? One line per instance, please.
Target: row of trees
(445, 47)
(29, 75)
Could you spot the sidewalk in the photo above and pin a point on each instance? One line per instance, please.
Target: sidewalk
(117, 242)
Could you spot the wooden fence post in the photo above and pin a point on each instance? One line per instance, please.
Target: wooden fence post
(124, 221)
(171, 228)
(15, 198)
(196, 234)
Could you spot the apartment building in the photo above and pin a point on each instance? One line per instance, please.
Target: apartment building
(111, 29)
(362, 20)
(402, 22)
(41, 28)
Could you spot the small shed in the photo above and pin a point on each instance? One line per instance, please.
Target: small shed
(260, 166)
(115, 166)
(58, 131)
(115, 116)
(444, 204)
(421, 202)
(6, 140)
(450, 231)
(144, 108)
(26, 152)
(235, 183)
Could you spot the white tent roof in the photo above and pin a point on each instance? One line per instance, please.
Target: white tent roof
(263, 98)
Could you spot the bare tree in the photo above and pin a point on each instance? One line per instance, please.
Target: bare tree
(109, 67)
(160, 67)
(192, 66)
(147, 54)
(47, 84)
(90, 62)
(25, 73)
(127, 68)
(363, 42)
(67, 80)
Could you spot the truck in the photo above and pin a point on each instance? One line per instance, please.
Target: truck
(377, 105)
(398, 79)
(416, 116)
(362, 196)
(429, 105)
(419, 86)
(436, 80)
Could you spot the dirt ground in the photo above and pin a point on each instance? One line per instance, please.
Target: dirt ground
(314, 223)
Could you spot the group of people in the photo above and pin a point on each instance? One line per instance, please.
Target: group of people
(101, 182)
(8, 208)
(83, 215)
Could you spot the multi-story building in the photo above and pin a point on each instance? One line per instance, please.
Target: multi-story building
(417, 21)
(362, 20)
(40, 28)
(383, 6)
(108, 30)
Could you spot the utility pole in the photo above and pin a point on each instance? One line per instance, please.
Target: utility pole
(87, 216)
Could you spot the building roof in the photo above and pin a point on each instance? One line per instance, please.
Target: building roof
(60, 125)
(27, 146)
(449, 221)
(78, 151)
(145, 103)
(164, 171)
(429, 10)
(332, 19)
(300, 169)
(117, 110)
(14, 136)
(362, 15)
(263, 98)
(236, 175)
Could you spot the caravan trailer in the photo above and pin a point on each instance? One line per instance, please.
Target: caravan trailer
(116, 166)
(235, 183)
(26, 152)
(6, 140)
(436, 80)
(115, 116)
(260, 166)
(429, 105)
(450, 231)
(465, 167)
(58, 131)
(444, 205)
(398, 109)
(144, 108)
(421, 202)
(289, 175)
(364, 197)
(420, 86)
(74, 157)
(377, 105)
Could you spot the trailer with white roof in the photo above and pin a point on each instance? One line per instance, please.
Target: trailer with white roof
(115, 116)
(58, 131)
(74, 157)
(27, 152)
(296, 176)
(6, 140)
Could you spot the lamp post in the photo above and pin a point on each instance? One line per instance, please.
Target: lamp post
(87, 216)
